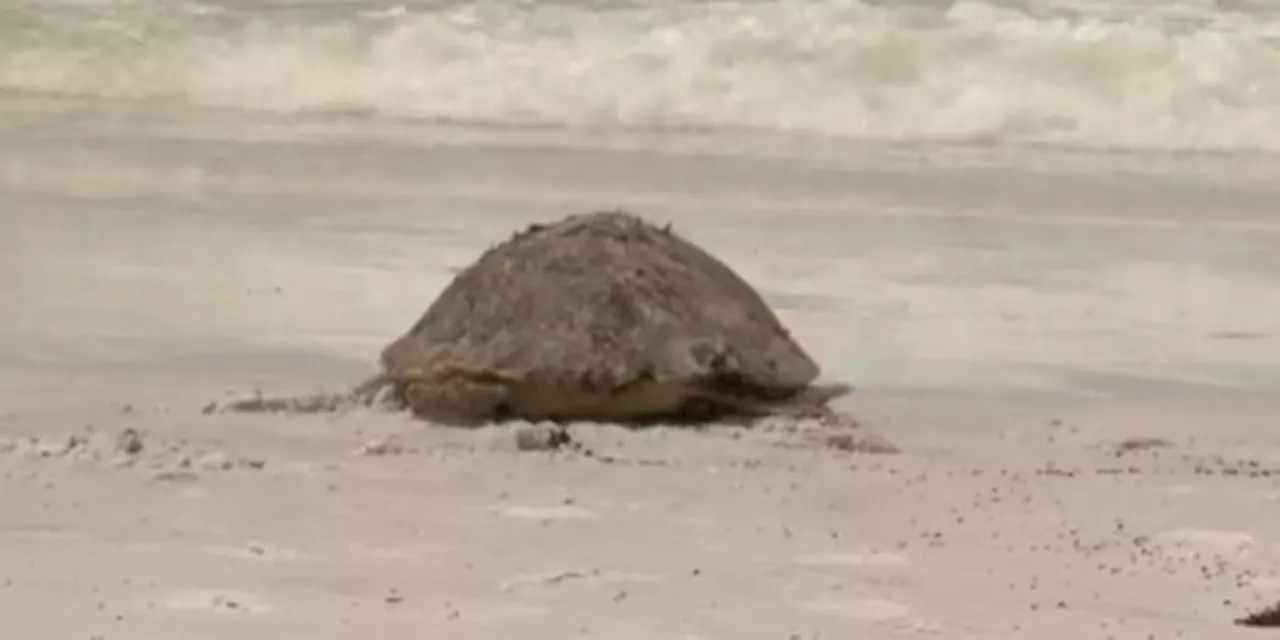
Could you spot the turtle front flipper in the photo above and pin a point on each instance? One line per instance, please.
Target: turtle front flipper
(367, 392)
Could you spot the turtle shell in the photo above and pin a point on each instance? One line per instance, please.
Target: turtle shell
(600, 301)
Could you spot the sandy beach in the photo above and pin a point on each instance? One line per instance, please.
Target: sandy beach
(1038, 238)
(1084, 410)
(129, 514)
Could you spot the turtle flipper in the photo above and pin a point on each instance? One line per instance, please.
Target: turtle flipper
(367, 392)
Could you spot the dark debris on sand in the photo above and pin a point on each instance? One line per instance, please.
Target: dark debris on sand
(1269, 617)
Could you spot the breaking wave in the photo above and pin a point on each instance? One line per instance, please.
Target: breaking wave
(1134, 75)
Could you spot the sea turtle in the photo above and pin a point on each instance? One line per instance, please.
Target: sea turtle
(597, 317)
(600, 317)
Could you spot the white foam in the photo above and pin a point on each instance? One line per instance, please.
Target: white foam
(1129, 74)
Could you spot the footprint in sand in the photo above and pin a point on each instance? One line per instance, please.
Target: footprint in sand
(217, 601)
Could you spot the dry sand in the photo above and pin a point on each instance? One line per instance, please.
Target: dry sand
(1101, 505)
(1004, 517)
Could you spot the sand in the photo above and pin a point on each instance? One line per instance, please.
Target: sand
(1082, 399)
(1004, 517)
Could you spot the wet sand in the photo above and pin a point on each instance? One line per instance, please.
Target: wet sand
(1084, 410)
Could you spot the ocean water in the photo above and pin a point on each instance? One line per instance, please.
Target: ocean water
(957, 192)
(1122, 74)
